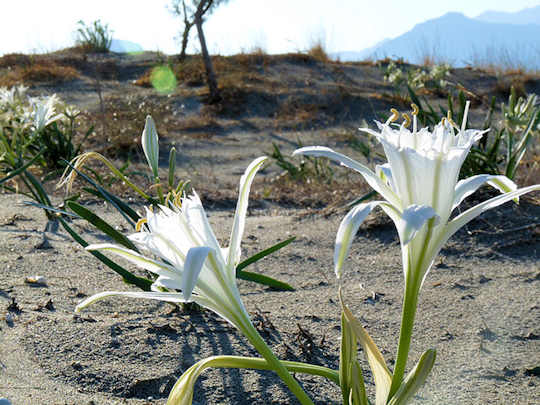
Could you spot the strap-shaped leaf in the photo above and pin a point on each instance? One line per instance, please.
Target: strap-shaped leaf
(130, 278)
(351, 379)
(52, 209)
(118, 203)
(182, 392)
(263, 253)
(22, 168)
(259, 278)
(376, 361)
(358, 394)
(99, 223)
(264, 280)
(415, 379)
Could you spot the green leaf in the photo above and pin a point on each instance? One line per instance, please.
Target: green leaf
(101, 225)
(259, 278)
(22, 168)
(42, 194)
(265, 280)
(106, 195)
(129, 278)
(172, 166)
(358, 391)
(381, 374)
(182, 391)
(258, 256)
(118, 203)
(52, 209)
(351, 379)
(415, 379)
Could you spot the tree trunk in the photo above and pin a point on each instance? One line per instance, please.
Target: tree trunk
(210, 75)
(185, 37)
(187, 28)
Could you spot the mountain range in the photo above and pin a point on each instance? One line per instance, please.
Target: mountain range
(492, 38)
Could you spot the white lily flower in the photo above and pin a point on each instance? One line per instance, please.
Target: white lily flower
(190, 258)
(150, 144)
(192, 261)
(420, 188)
(44, 112)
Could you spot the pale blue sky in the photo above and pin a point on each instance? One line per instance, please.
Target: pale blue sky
(274, 25)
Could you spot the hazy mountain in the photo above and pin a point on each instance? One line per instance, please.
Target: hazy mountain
(526, 16)
(460, 40)
(123, 46)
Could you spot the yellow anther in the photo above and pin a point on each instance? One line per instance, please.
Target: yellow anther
(395, 115)
(450, 120)
(443, 121)
(178, 200)
(415, 109)
(407, 120)
(140, 223)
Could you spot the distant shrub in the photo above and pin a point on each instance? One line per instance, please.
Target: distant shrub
(502, 149)
(433, 79)
(96, 37)
(318, 52)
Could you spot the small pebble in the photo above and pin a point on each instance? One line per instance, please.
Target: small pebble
(9, 320)
(37, 280)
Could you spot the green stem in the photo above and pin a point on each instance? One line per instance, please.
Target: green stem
(275, 364)
(160, 190)
(410, 301)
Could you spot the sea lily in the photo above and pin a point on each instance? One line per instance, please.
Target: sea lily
(44, 112)
(420, 189)
(191, 264)
(192, 267)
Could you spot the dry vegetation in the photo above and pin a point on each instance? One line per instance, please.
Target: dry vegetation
(291, 93)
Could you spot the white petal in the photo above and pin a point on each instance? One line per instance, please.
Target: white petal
(466, 187)
(146, 263)
(169, 283)
(198, 221)
(150, 144)
(371, 178)
(241, 210)
(467, 216)
(160, 296)
(413, 219)
(385, 173)
(192, 268)
(347, 231)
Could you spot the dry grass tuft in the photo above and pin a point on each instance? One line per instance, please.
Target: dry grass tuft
(318, 52)
(50, 73)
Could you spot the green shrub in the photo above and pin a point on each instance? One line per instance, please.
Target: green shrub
(96, 37)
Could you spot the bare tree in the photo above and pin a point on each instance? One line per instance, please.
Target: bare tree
(193, 13)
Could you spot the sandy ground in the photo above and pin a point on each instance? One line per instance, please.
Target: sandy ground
(479, 308)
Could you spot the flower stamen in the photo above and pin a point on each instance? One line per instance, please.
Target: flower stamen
(465, 115)
(406, 120)
(178, 200)
(140, 223)
(394, 117)
(415, 111)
